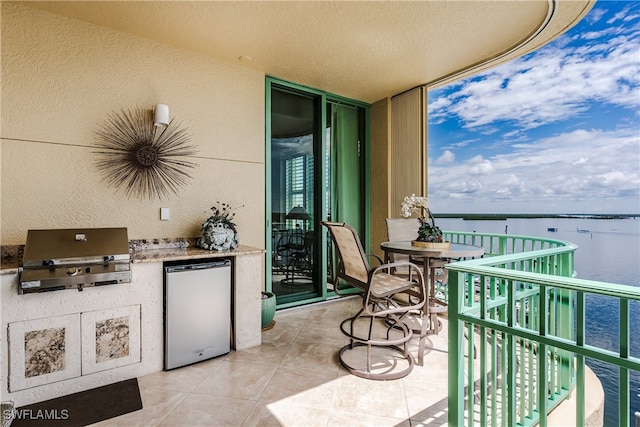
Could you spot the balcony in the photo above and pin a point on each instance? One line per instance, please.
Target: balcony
(527, 368)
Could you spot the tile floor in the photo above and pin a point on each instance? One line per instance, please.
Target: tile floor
(294, 379)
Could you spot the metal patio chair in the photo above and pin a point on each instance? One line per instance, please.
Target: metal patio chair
(294, 255)
(378, 289)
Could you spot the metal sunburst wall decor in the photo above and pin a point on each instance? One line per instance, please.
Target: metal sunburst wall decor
(146, 160)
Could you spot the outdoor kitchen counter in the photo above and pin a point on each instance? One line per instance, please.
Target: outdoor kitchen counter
(12, 255)
(140, 302)
(175, 254)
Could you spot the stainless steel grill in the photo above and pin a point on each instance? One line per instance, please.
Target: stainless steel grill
(74, 259)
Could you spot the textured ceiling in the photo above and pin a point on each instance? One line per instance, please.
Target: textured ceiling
(362, 50)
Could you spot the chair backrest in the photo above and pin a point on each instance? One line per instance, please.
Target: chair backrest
(402, 228)
(352, 261)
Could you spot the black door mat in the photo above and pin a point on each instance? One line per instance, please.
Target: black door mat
(83, 408)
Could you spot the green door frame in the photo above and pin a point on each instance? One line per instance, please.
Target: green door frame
(324, 98)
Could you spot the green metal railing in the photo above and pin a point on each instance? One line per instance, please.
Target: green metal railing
(521, 312)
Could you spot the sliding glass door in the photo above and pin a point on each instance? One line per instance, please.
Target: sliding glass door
(315, 165)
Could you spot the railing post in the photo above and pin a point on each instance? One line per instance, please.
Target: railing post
(580, 371)
(456, 351)
(502, 246)
(624, 403)
(566, 318)
(542, 360)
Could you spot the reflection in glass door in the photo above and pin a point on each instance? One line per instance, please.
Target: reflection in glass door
(294, 136)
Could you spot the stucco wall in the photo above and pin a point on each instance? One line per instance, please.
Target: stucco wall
(61, 77)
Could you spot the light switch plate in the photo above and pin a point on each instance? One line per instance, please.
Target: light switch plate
(164, 214)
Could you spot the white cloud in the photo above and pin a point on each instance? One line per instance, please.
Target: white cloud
(580, 168)
(595, 15)
(570, 169)
(458, 188)
(440, 103)
(580, 161)
(480, 166)
(446, 157)
(610, 179)
(622, 15)
(464, 143)
(551, 85)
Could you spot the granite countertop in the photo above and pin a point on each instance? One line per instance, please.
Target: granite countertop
(173, 254)
(144, 250)
(10, 258)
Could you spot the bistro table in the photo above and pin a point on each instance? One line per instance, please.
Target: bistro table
(455, 251)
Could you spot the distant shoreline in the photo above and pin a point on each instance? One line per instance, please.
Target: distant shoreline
(503, 217)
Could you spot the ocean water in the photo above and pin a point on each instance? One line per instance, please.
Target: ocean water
(609, 252)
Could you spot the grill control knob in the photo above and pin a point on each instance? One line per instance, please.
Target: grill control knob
(72, 271)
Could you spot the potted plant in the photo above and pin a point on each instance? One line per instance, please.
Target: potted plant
(268, 310)
(219, 232)
(429, 235)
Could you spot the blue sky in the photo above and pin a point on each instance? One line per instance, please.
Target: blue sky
(555, 131)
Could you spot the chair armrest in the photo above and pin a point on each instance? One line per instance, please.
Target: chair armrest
(376, 257)
(391, 265)
(420, 293)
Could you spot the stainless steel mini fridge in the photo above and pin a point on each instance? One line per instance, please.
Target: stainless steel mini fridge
(197, 311)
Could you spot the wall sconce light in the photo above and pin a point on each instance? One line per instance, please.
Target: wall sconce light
(161, 115)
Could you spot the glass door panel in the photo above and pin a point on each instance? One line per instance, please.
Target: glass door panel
(294, 138)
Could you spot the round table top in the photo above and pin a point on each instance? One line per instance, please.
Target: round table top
(457, 250)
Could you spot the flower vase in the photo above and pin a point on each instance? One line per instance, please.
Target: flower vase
(268, 310)
(218, 237)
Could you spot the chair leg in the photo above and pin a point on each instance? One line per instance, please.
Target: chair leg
(397, 320)
(423, 335)
(371, 318)
(352, 321)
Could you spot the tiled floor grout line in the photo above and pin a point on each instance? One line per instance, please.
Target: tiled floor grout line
(173, 408)
(189, 393)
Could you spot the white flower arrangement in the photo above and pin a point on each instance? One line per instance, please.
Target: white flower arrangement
(428, 231)
(414, 204)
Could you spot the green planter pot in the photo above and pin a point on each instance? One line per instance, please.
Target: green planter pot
(268, 309)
